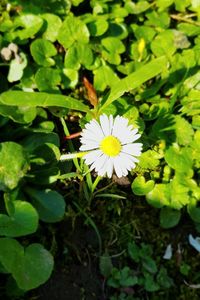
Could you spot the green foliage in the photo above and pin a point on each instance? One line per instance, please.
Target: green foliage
(30, 266)
(145, 272)
(12, 168)
(142, 58)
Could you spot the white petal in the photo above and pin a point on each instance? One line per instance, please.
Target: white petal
(116, 126)
(100, 164)
(105, 124)
(127, 161)
(89, 135)
(89, 145)
(132, 149)
(195, 243)
(168, 252)
(117, 167)
(109, 167)
(134, 137)
(95, 128)
(111, 123)
(92, 156)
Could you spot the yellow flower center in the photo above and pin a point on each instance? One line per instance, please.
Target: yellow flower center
(110, 145)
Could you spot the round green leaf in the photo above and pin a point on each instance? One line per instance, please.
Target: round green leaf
(47, 79)
(13, 165)
(30, 266)
(194, 210)
(159, 196)
(23, 221)
(11, 252)
(44, 175)
(184, 131)
(28, 25)
(104, 77)
(19, 114)
(73, 29)
(42, 51)
(53, 25)
(164, 43)
(35, 140)
(141, 187)
(179, 158)
(71, 77)
(98, 27)
(34, 268)
(113, 44)
(49, 204)
(169, 217)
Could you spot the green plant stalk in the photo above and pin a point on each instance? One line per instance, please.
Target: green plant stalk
(91, 222)
(95, 183)
(71, 147)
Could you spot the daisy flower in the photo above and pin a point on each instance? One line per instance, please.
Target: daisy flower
(111, 145)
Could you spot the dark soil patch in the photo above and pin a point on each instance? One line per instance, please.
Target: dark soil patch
(76, 275)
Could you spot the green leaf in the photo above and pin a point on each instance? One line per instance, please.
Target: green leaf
(30, 266)
(134, 251)
(47, 79)
(141, 187)
(28, 25)
(149, 265)
(169, 217)
(44, 175)
(105, 265)
(150, 284)
(39, 139)
(194, 210)
(13, 165)
(164, 4)
(135, 79)
(113, 44)
(149, 160)
(179, 192)
(71, 78)
(53, 25)
(42, 51)
(127, 278)
(159, 196)
(21, 98)
(179, 158)
(184, 131)
(49, 204)
(98, 27)
(164, 44)
(23, 221)
(117, 30)
(143, 32)
(112, 47)
(73, 29)
(72, 58)
(104, 77)
(19, 114)
(35, 267)
(44, 146)
(158, 19)
(137, 8)
(163, 279)
(189, 29)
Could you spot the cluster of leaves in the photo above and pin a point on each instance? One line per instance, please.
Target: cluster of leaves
(143, 60)
(144, 273)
